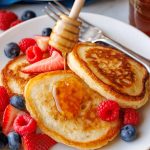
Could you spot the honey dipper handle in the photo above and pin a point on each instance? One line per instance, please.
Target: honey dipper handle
(77, 6)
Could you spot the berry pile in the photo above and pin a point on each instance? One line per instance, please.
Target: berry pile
(40, 55)
(18, 127)
(9, 19)
(110, 111)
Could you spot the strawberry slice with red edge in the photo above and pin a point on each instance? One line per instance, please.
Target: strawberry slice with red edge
(4, 98)
(55, 62)
(37, 142)
(9, 116)
(42, 42)
(51, 49)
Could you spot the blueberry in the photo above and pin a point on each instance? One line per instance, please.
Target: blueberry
(46, 32)
(18, 101)
(3, 140)
(14, 141)
(29, 14)
(12, 50)
(128, 133)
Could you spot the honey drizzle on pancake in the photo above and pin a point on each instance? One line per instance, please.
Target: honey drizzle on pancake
(73, 102)
(68, 95)
(111, 64)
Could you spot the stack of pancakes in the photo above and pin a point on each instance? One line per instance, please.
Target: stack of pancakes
(64, 103)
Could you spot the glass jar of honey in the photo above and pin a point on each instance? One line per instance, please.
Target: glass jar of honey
(140, 14)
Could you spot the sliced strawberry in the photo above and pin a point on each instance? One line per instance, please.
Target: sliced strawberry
(42, 42)
(9, 116)
(46, 55)
(4, 98)
(55, 62)
(51, 49)
(37, 142)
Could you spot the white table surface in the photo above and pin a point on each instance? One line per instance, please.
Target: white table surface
(114, 8)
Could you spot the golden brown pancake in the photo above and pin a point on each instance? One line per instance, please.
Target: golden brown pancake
(111, 73)
(50, 99)
(11, 76)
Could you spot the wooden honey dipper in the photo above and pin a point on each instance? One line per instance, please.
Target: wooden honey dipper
(65, 33)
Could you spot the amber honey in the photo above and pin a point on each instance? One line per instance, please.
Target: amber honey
(68, 95)
(140, 15)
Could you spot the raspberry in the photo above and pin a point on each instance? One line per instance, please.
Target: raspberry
(4, 98)
(34, 54)
(108, 110)
(15, 23)
(6, 18)
(26, 43)
(131, 116)
(24, 124)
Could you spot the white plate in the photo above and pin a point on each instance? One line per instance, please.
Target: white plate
(121, 32)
